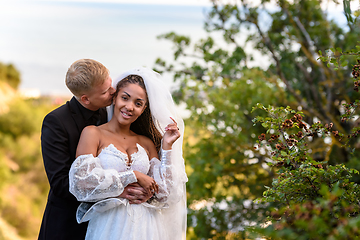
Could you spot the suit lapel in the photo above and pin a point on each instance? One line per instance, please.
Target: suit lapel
(76, 114)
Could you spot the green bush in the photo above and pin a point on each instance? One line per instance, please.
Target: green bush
(315, 199)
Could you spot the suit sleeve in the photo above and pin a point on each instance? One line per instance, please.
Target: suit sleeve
(56, 155)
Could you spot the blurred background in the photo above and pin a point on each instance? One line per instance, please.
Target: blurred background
(43, 38)
(219, 58)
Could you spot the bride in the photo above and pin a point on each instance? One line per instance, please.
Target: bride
(142, 142)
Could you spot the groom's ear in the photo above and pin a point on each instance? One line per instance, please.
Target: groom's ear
(85, 99)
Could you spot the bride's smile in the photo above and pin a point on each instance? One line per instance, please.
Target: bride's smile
(130, 102)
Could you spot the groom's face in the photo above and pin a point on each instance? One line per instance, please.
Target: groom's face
(101, 95)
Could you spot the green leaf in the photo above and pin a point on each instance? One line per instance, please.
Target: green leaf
(283, 153)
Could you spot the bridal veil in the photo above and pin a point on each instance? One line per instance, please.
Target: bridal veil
(162, 107)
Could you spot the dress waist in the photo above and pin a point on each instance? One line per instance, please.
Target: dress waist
(87, 210)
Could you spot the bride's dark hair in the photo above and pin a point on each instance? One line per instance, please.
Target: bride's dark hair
(144, 125)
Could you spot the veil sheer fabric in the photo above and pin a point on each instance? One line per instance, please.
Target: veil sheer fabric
(162, 108)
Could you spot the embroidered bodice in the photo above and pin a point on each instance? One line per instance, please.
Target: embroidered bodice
(94, 179)
(112, 158)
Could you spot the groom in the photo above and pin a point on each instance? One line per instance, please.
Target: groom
(91, 85)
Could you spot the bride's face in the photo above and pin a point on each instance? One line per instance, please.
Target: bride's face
(129, 103)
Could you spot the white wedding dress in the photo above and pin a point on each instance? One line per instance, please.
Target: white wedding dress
(100, 179)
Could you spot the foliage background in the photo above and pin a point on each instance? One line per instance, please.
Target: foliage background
(23, 183)
(219, 86)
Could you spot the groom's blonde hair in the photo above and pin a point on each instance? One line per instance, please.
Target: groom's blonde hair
(85, 74)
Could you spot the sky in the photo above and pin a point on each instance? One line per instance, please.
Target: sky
(156, 2)
(42, 38)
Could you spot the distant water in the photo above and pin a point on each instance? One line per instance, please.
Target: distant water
(43, 38)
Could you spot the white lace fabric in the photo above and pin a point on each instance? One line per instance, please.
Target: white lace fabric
(100, 179)
(162, 108)
(90, 182)
(104, 177)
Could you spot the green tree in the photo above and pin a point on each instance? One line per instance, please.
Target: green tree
(19, 120)
(316, 200)
(219, 89)
(224, 172)
(23, 184)
(10, 75)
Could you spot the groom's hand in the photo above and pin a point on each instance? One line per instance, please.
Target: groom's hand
(135, 193)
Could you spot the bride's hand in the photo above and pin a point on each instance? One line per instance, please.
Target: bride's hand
(148, 183)
(172, 133)
(135, 193)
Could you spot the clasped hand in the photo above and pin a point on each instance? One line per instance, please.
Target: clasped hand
(135, 193)
(147, 186)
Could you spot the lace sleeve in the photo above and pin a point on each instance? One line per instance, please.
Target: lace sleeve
(170, 189)
(89, 182)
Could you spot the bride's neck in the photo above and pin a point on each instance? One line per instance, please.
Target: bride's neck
(116, 127)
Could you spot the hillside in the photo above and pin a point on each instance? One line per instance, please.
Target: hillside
(7, 93)
(23, 182)
(8, 232)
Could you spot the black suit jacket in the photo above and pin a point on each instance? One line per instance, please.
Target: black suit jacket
(60, 134)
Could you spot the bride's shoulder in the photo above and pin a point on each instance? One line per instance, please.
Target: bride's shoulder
(147, 143)
(91, 130)
(143, 140)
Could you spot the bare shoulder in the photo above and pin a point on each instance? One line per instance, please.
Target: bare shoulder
(148, 144)
(89, 141)
(145, 141)
(91, 131)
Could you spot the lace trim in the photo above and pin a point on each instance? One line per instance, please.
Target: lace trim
(124, 156)
(86, 211)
